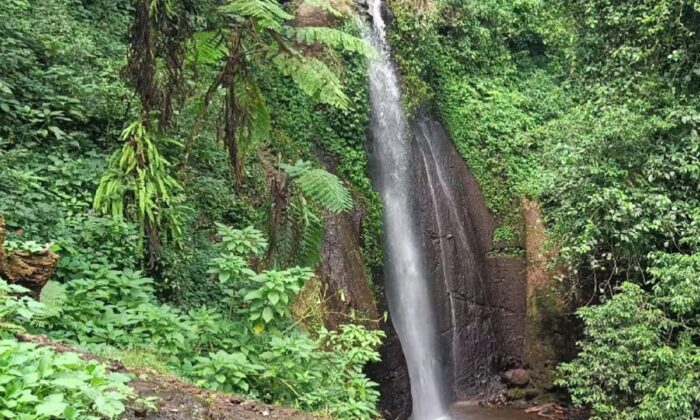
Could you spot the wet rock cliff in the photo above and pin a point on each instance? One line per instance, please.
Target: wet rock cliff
(480, 297)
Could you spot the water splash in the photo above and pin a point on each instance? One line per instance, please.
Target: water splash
(407, 285)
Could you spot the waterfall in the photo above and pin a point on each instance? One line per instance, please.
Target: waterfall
(407, 285)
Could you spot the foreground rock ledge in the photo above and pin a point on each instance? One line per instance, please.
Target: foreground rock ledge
(178, 400)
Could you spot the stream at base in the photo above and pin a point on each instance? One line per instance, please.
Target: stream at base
(470, 411)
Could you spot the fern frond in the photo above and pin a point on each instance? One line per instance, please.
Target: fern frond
(333, 38)
(256, 122)
(206, 47)
(267, 14)
(310, 234)
(324, 188)
(138, 171)
(313, 77)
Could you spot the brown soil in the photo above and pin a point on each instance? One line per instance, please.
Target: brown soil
(178, 400)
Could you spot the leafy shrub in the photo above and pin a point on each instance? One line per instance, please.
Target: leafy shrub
(221, 371)
(37, 383)
(636, 362)
(272, 293)
(245, 242)
(254, 347)
(15, 309)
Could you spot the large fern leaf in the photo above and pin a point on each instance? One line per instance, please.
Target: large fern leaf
(256, 120)
(206, 47)
(324, 188)
(311, 232)
(333, 38)
(313, 77)
(267, 14)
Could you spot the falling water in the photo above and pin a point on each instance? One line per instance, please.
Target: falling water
(407, 285)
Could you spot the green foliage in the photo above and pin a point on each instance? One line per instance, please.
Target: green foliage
(41, 384)
(301, 130)
(640, 360)
(227, 372)
(271, 295)
(319, 185)
(631, 39)
(314, 78)
(15, 309)
(230, 268)
(244, 242)
(265, 13)
(251, 346)
(63, 101)
(482, 67)
(60, 81)
(334, 38)
(37, 383)
(138, 174)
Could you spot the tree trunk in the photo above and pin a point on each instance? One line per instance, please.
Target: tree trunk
(28, 269)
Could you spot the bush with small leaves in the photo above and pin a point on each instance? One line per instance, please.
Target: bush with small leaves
(244, 243)
(228, 372)
(271, 293)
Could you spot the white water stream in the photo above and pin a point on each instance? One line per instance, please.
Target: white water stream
(407, 284)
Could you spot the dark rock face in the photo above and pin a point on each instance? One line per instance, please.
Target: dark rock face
(516, 377)
(347, 289)
(392, 376)
(342, 270)
(480, 299)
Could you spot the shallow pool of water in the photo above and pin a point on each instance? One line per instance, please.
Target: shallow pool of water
(469, 411)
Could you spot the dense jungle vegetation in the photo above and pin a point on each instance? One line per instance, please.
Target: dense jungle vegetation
(170, 152)
(591, 108)
(181, 156)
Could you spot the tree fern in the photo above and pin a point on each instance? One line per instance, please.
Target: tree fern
(207, 47)
(267, 14)
(321, 186)
(313, 77)
(299, 237)
(333, 38)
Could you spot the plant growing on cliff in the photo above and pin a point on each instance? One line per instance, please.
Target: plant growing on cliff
(324, 188)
